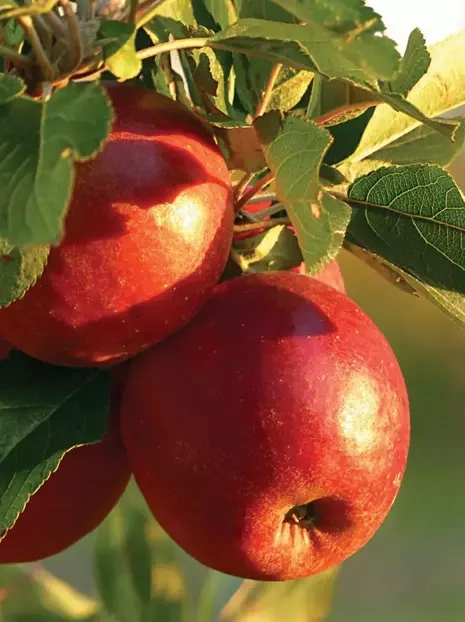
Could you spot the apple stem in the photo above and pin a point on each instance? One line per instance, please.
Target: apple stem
(172, 46)
(75, 48)
(265, 100)
(25, 21)
(261, 224)
(15, 58)
(55, 24)
(242, 185)
(245, 198)
(262, 197)
(270, 211)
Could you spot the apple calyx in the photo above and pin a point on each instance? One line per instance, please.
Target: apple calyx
(305, 516)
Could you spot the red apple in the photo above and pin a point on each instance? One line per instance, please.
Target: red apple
(74, 500)
(147, 236)
(270, 436)
(4, 349)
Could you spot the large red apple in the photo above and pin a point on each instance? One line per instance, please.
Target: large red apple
(147, 236)
(331, 274)
(270, 436)
(74, 500)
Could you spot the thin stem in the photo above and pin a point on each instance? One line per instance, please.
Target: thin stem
(27, 25)
(262, 197)
(55, 24)
(45, 33)
(245, 198)
(262, 224)
(265, 100)
(15, 58)
(266, 213)
(83, 77)
(134, 5)
(75, 48)
(242, 185)
(165, 66)
(171, 46)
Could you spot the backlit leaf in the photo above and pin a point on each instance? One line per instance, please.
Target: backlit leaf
(38, 143)
(413, 216)
(294, 148)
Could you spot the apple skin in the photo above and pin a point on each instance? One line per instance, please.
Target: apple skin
(331, 274)
(75, 499)
(147, 237)
(281, 392)
(4, 349)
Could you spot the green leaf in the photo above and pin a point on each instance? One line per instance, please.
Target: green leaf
(264, 9)
(160, 30)
(251, 76)
(252, 73)
(310, 47)
(359, 29)
(13, 32)
(274, 249)
(348, 17)
(440, 90)
(214, 77)
(294, 149)
(10, 87)
(223, 12)
(446, 127)
(289, 89)
(38, 142)
(44, 412)
(346, 137)
(413, 66)
(317, 49)
(414, 217)
(19, 269)
(336, 102)
(420, 146)
(177, 10)
(39, 596)
(303, 600)
(120, 54)
(123, 562)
